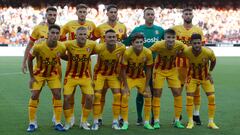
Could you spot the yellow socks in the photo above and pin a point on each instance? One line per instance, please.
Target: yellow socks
(124, 107)
(147, 108)
(211, 106)
(58, 110)
(197, 101)
(85, 114)
(116, 105)
(96, 105)
(177, 106)
(68, 115)
(190, 107)
(32, 109)
(156, 108)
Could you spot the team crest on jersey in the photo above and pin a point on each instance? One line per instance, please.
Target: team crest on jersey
(88, 49)
(156, 32)
(58, 54)
(144, 58)
(118, 55)
(204, 60)
(89, 28)
(120, 30)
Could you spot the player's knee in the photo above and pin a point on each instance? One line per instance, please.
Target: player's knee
(117, 98)
(189, 99)
(125, 99)
(211, 99)
(35, 95)
(89, 99)
(97, 97)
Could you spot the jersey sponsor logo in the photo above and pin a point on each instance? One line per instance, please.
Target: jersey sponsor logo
(89, 28)
(76, 58)
(88, 50)
(156, 32)
(144, 59)
(120, 30)
(47, 62)
(151, 40)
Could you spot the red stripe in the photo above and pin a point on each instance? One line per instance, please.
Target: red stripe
(75, 68)
(32, 39)
(194, 72)
(113, 67)
(52, 67)
(40, 68)
(131, 71)
(200, 71)
(184, 62)
(105, 67)
(46, 68)
(72, 35)
(138, 73)
(87, 70)
(178, 61)
(69, 65)
(82, 66)
(206, 70)
(158, 62)
(189, 71)
(99, 66)
(171, 62)
(164, 64)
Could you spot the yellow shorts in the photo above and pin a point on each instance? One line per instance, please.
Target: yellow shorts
(139, 83)
(182, 73)
(193, 83)
(53, 82)
(85, 84)
(170, 75)
(112, 81)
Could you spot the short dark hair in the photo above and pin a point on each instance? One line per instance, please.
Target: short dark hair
(51, 9)
(81, 28)
(54, 26)
(170, 31)
(110, 31)
(187, 9)
(81, 6)
(137, 36)
(196, 36)
(111, 6)
(148, 8)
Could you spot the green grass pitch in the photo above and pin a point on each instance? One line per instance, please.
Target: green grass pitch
(14, 96)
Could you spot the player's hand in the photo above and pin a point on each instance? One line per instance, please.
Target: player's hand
(209, 77)
(147, 92)
(24, 68)
(125, 90)
(32, 80)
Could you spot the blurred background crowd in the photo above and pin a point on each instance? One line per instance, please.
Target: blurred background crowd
(219, 21)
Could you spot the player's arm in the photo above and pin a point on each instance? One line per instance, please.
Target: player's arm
(127, 41)
(123, 74)
(154, 47)
(31, 56)
(25, 57)
(149, 65)
(96, 34)
(212, 61)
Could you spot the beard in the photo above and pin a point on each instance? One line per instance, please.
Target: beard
(188, 21)
(51, 21)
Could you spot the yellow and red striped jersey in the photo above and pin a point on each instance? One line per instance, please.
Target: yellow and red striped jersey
(39, 31)
(48, 59)
(184, 35)
(119, 28)
(108, 62)
(78, 58)
(135, 63)
(71, 27)
(199, 65)
(166, 58)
